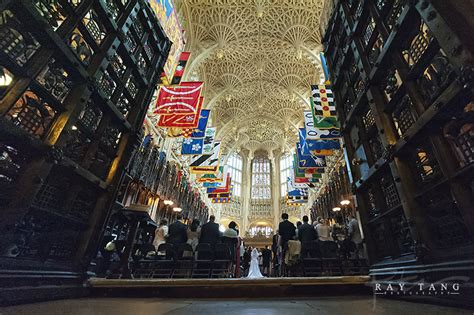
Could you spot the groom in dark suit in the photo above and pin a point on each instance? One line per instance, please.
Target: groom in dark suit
(287, 231)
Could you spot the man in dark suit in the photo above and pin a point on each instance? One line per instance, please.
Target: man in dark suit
(266, 258)
(177, 232)
(210, 232)
(275, 260)
(306, 235)
(287, 231)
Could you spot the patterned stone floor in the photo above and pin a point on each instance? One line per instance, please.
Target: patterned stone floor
(136, 306)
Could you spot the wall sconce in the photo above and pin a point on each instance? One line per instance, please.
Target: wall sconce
(177, 209)
(336, 209)
(168, 202)
(6, 77)
(345, 202)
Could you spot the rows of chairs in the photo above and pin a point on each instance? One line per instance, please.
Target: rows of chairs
(323, 258)
(183, 262)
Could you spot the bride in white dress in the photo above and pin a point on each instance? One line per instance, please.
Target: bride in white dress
(254, 270)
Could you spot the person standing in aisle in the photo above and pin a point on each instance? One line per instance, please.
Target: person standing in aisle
(266, 258)
(287, 231)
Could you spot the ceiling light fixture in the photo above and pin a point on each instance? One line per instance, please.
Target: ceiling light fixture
(345, 202)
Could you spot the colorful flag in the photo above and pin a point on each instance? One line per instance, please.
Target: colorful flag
(179, 71)
(217, 177)
(182, 120)
(323, 101)
(297, 184)
(296, 201)
(295, 190)
(322, 122)
(178, 99)
(220, 200)
(309, 161)
(208, 145)
(223, 195)
(211, 184)
(224, 189)
(313, 170)
(201, 163)
(317, 147)
(198, 132)
(219, 184)
(314, 133)
(192, 146)
(300, 176)
(203, 169)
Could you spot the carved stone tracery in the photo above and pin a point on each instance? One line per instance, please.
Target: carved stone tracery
(257, 59)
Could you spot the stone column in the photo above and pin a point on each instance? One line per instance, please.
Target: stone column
(246, 187)
(276, 189)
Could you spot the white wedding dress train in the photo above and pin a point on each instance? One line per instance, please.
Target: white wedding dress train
(254, 270)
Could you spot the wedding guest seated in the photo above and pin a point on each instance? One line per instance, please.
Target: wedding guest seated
(194, 232)
(230, 237)
(231, 230)
(160, 234)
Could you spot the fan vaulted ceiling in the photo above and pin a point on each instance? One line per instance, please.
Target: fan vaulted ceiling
(257, 59)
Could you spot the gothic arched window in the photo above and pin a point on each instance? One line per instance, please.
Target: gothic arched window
(261, 180)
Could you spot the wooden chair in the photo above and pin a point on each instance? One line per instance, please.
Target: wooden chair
(184, 262)
(312, 263)
(222, 262)
(332, 263)
(164, 265)
(202, 261)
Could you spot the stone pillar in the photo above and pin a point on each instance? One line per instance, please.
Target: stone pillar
(276, 189)
(246, 188)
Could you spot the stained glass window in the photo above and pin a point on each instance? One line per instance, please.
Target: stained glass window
(261, 179)
(285, 172)
(234, 167)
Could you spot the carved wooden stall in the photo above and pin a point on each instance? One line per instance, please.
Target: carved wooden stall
(328, 204)
(402, 79)
(148, 181)
(76, 79)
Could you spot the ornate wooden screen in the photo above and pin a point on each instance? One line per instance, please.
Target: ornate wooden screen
(77, 78)
(403, 84)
